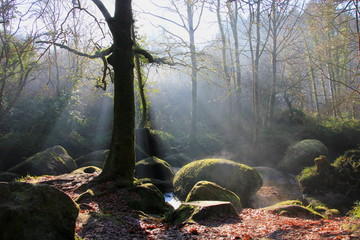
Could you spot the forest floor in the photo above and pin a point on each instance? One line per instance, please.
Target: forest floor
(108, 217)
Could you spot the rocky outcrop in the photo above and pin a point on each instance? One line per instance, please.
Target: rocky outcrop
(52, 161)
(147, 198)
(205, 190)
(154, 168)
(241, 179)
(177, 159)
(301, 155)
(201, 211)
(96, 158)
(29, 212)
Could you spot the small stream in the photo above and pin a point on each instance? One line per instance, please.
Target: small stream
(172, 200)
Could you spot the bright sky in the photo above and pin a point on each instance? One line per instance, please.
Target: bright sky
(147, 23)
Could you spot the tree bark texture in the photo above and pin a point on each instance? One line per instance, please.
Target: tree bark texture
(120, 163)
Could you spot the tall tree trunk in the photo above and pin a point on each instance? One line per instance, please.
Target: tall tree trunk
(323, 85)
(120, 163)
(234, 29)
(224, 61)
(144, 118)
(273, 61)
(144, 114)
(313, 79)
(193, 138)
(255, 68)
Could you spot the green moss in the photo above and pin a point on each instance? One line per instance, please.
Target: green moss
(289, 202)
(154, 168)
(339, 182)
(52, 161)
(25, 178)
(238, 178)
(355, 211)
(23, 206)
(312, 182)
(294, 208)
(148, 198)
(302, 154)
(183, 214)
(308, 172)
(205, 190)
(177, 159)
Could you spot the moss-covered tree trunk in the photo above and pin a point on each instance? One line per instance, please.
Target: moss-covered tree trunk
(119, 166)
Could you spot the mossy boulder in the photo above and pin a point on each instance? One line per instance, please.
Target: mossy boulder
(313, 182)
(294, 208)
(8, 177)
(29, 211)
(163, 186)
(205, 190)
(304, 208)
(177, 159)
(154, 168)
(92, 163)
(198, 211)
(52, 161)
(301, 155)
(241, 179)
(147, 198)
(96, 158)
(337, 185)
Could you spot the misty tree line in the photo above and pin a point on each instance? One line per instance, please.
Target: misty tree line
(268, 56)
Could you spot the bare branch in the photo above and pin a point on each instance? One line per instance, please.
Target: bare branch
(200, 16)
(150, 58)
(102, 9)
(166, 19)
(98, 54)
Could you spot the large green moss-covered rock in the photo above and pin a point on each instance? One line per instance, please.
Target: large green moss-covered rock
(52, 161)
(238, 178)
(177, 159)
(205, 190)
(96, 158)
(148, 198)
(302, 154)
(294, 208)
(336, 185)
(198, 211)
(153, 168)
(29, 212)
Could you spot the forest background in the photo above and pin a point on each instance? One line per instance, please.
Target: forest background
(242, 80)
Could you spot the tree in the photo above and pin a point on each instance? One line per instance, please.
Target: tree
(283, 30)
(189, 21)
(332, 54)
(120, 163)
(17, 56)
(256, 51)
(234, 15)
